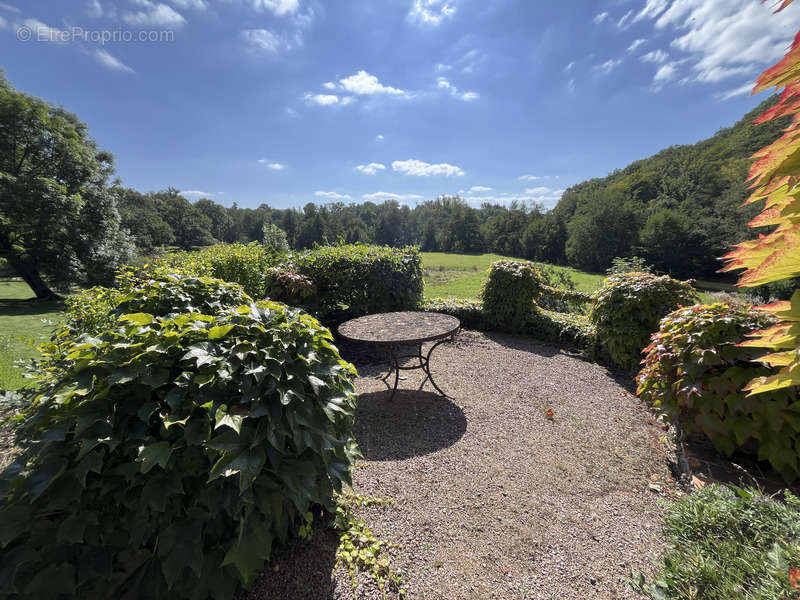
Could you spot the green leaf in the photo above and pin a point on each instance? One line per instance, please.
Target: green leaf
(154, 454)
(224, 418)
(219, 331)
(13, 521)
(251, 549)
(138, 318)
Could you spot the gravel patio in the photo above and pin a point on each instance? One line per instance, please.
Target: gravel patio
(496, 496)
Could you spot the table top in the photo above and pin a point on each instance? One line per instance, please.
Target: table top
(396, 328)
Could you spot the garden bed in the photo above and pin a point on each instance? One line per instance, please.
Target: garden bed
(493, 498)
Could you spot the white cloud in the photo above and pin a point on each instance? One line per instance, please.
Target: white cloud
(723, 39)
(277, 7)
(479, 188)
(607, 66)
(371, 168)
(112, 62)
(275, 166)
(539, 191)
(444, 84)
(569, 66)
(94, 9)
(196, 194)
(332, 195)
(379, 137)
(10, 8)
(193, 4)
(422, 169)
(383, 196)
(269, 42)
(431, 12)
(548, 199)
(665, 74)
(623, 22)
(364, 84)
(469, 96)
(322, 99)
(329, 85)
(599, 18)
(635, 44)
(740, 91)
(154, 14)
(441, 67)
(529, 177)
(656, 56)
(3, 23)
(652, 9)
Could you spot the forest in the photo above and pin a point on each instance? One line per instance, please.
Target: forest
(680, 210)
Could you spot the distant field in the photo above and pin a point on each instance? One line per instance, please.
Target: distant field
(461, 275)
(23, 325)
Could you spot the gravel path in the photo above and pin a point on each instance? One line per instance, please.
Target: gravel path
(494, 499)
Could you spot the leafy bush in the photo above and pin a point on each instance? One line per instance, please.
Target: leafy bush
(356, 279)
(558, 327)
(628, 308)
(509, 293)
(558, 292)
(274, 238)
(173, 452)
(727, 543)
(695, 371)
(632, 264)
(469, 312)
(246, 265)
(291, 288)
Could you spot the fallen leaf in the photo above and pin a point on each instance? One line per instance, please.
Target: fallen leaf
(697, 482)
(794, 578)
(549, 413)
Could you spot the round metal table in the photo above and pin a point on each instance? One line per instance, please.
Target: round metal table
(395, 329)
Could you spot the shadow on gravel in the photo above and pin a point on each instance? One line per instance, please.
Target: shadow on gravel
(524, 343)
(413, 423)
(301, 570)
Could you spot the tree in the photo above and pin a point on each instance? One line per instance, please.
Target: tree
(58, 218)
(142, 218)
(221, 222)
(190, 226)
(274, 238)
(666, 241)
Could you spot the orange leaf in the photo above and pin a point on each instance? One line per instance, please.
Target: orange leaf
(549, 413)
(794, 577)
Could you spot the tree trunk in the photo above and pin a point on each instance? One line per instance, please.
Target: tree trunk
(33, 279)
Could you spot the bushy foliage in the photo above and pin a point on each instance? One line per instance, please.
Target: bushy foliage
(274, 238)
(468, 312)
(245, 264)
(694, 372)
(628, 308)
(630, 264)
(356, 279)
(291, 288)
(728, 543)
(509, 293)
(167, 456)
(563, 328)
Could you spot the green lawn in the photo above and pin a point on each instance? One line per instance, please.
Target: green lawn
(24, 324)
(461, 275)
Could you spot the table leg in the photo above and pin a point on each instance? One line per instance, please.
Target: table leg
(394, 366)
(427, 366)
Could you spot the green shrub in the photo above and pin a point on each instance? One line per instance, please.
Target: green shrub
(558, 327)
(628, 308)
(357, 279)
(291, 288)
(694, 372)
(726, 543)
(509, 293)
(246, 265)
(173, 452)
(469, 312)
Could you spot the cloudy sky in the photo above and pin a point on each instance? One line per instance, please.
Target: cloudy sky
(290, 101)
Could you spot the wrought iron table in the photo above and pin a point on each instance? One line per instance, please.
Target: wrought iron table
(396, 329)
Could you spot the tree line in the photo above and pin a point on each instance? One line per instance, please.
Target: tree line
(64, 222)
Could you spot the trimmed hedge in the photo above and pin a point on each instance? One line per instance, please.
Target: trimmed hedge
(509, 292)
(628, 308)
(168, 455)
(469, 312)
(356, 279)
(694, 372)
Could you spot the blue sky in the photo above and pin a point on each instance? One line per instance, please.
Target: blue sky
(291, 101)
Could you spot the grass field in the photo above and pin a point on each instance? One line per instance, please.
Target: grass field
(23, 325)
(461, 275)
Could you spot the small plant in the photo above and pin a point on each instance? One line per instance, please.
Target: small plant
(359, 550)
(509, 293)
(726, 543)
(632, 264)
(274, 238)
(695, 370)
(628, 308)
